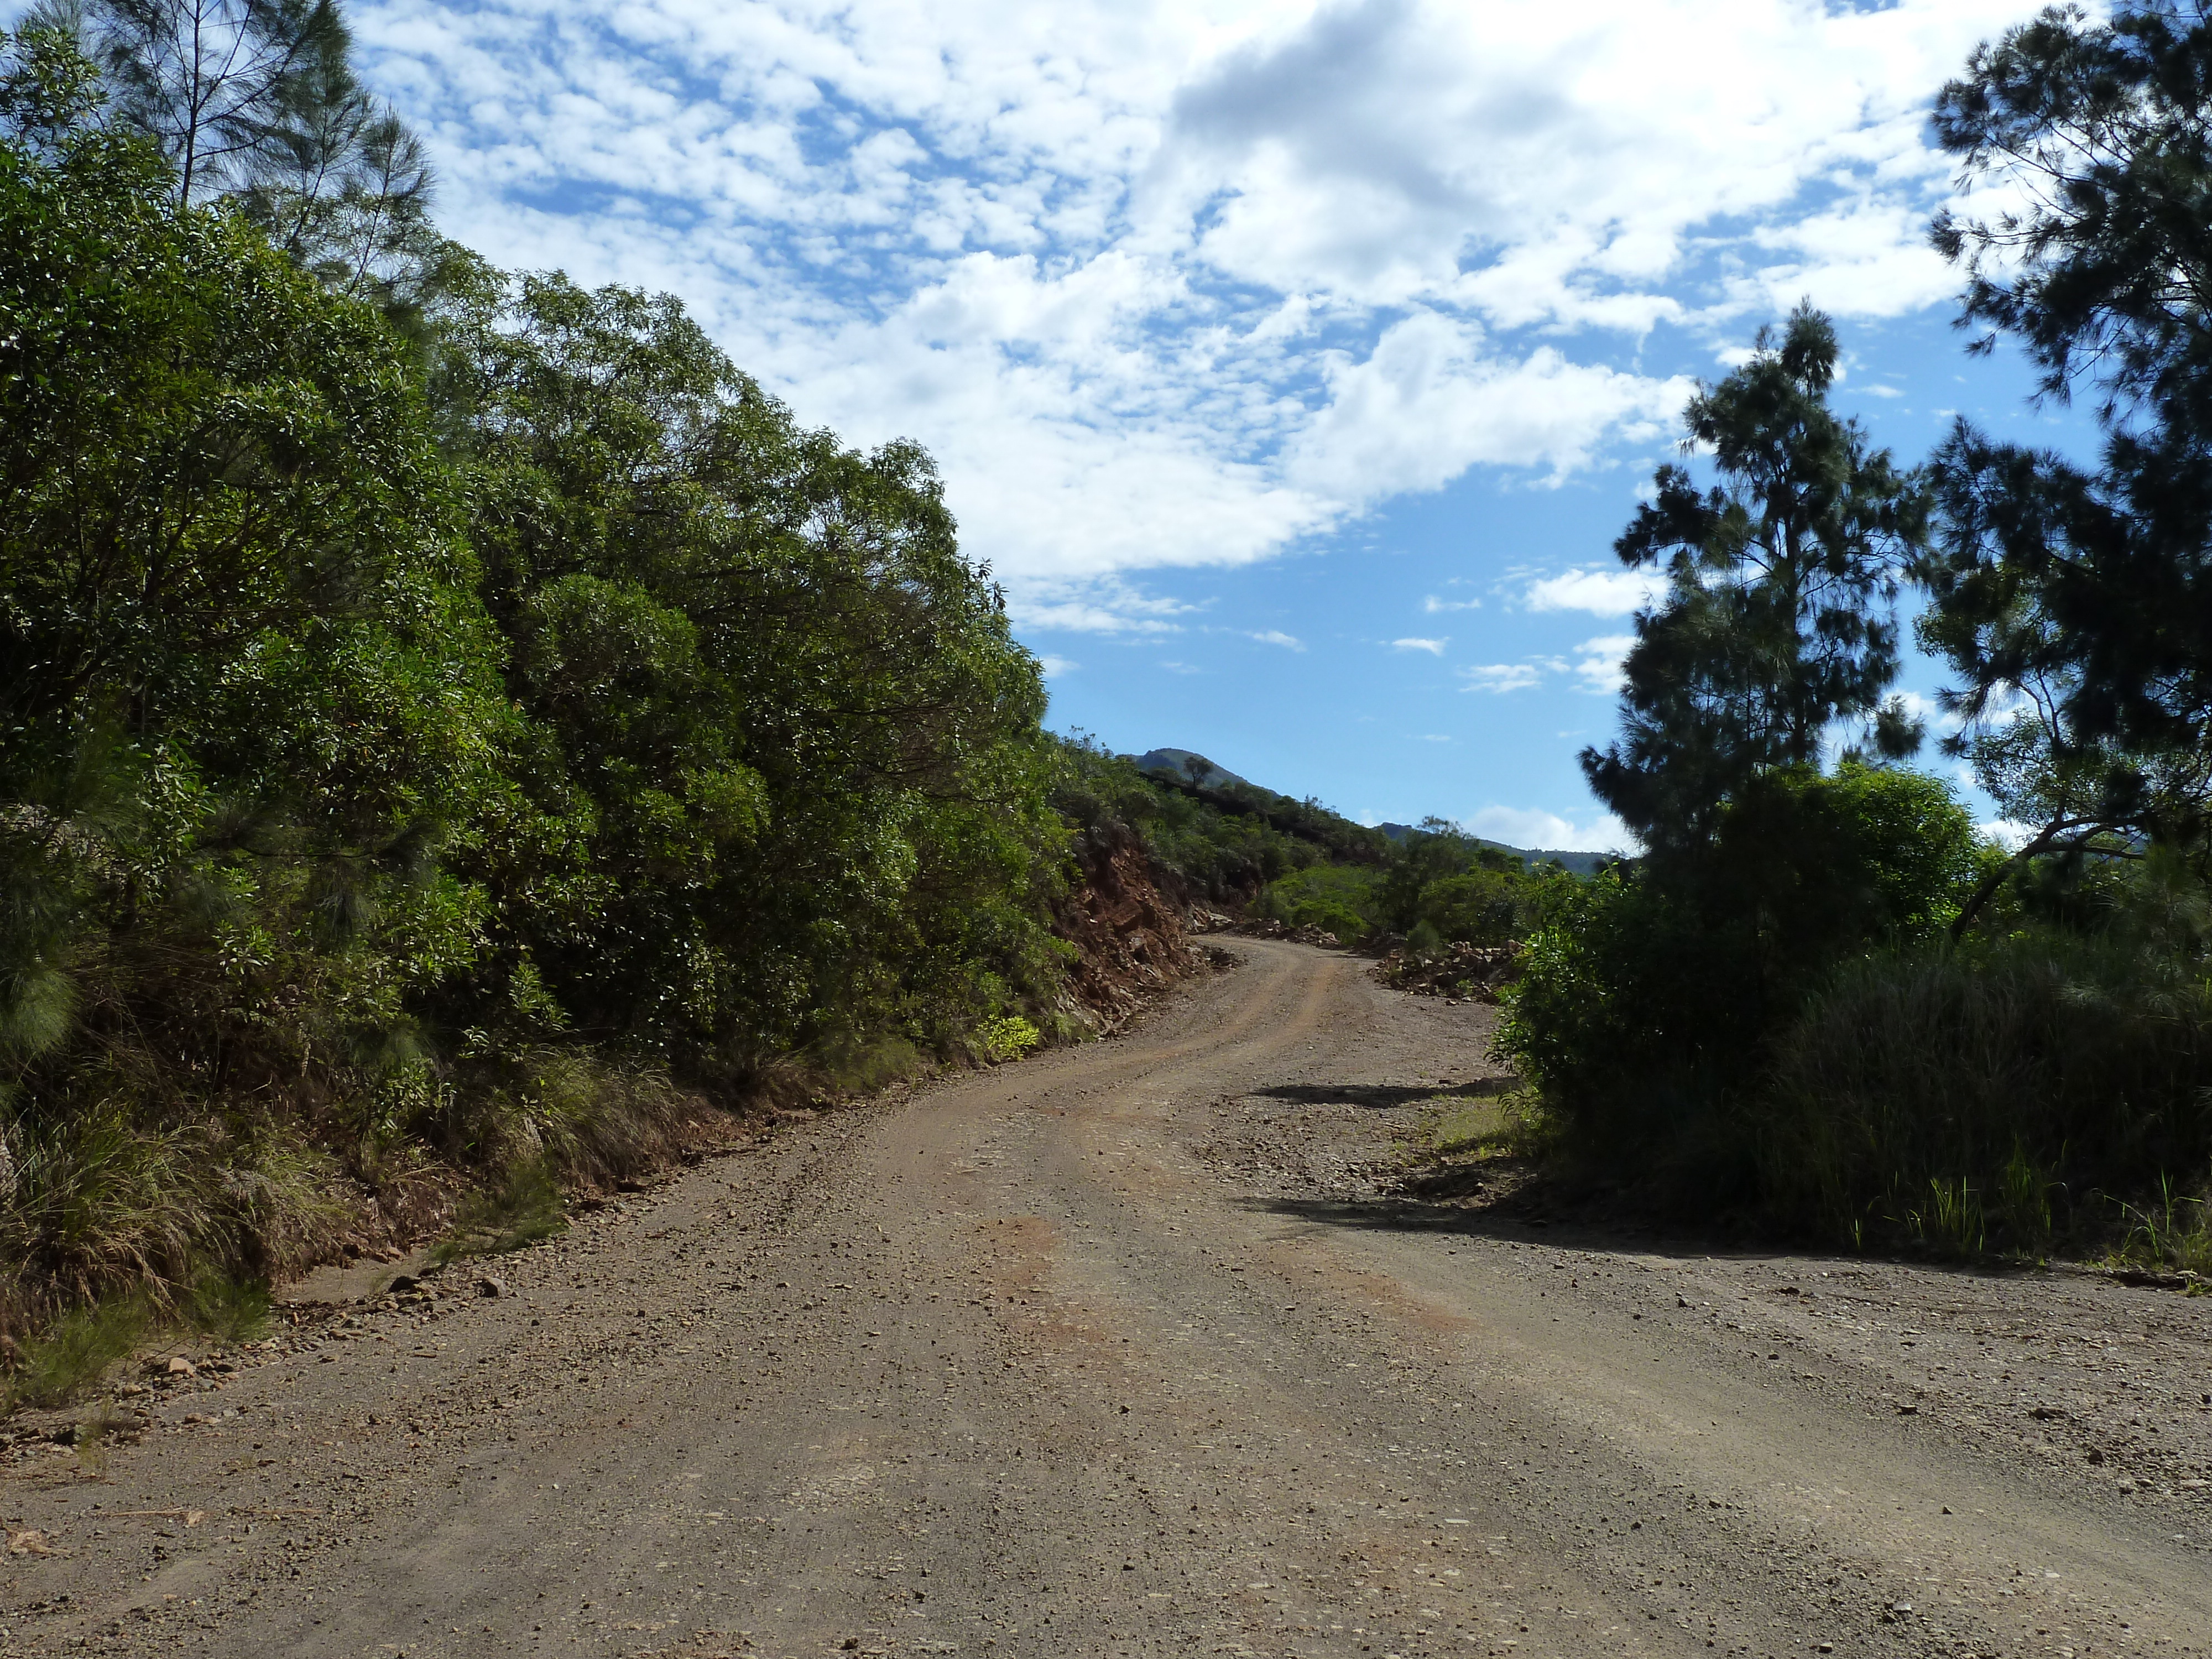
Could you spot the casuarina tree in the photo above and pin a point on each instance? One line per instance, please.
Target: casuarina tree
(1778, 619)
(256, 101)
(2075, 602)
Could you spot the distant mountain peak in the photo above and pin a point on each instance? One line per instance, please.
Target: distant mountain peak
(1206, 775)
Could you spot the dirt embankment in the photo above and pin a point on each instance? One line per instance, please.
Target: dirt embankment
(1128, 927)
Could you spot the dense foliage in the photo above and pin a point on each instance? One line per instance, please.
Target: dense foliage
(441, 736)
(1435, 885)
(1819, 998)
(1222, 844)
(1650, 1001)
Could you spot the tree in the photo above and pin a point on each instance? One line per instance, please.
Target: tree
(1777, 621)
(341, 184)
(207, 80)
(246, 687)
(2076, 603)
(798, 742)
(256, 101)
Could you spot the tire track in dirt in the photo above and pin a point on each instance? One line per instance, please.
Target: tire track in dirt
(1021, 1365)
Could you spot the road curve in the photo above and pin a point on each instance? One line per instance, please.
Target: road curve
(1109, 1353)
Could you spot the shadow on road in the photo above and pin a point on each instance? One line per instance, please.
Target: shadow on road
(1525, 1221)
(1381, 1097)
(1412, 1215)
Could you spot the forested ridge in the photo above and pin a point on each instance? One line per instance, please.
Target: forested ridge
(457, 725)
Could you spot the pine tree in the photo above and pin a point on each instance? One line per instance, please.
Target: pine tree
(256, 101)
(1779, 618)
(2075, 602)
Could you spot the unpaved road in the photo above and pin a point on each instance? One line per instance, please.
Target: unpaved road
(1118, 1351)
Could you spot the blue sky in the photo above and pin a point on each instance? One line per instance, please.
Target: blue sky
(1293, 365)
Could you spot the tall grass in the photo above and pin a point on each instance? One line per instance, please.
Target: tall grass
(2010, 1098)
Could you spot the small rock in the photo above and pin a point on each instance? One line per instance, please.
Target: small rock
(404, 1282)
(490, 1286)
(1908, 1411)
(180, 1366)
(2127, 1485)
(2096, 1454)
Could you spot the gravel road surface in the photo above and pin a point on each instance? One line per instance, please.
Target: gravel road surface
(1127, 1349)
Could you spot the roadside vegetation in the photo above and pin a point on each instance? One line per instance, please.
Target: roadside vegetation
(1230, 844)
(454, 726)
(1821, 1001)
(456, 731)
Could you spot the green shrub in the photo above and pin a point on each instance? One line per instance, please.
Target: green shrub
(1008, 1037)
(2007, 1096)
(1647, 1001)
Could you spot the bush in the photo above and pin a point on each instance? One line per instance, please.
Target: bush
(2005, 1098)
(1337, 899)
(1648, 999)
(1006, 1038)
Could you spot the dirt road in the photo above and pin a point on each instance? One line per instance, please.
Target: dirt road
(1121, 1351)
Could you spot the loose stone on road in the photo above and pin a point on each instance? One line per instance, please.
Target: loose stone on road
(1125, 1350)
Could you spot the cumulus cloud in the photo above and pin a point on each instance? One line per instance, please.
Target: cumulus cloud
(1502, 677)
(1539, 831)
(1164, 284)
(1434, 648)
(1601, 592)
(1435, 607)
(1276, 637)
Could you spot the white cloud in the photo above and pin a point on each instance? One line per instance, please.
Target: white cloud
(1434, 648)
(1432, 736)
(1539, 831)
(1501, 676)
(1601, 592)
(1435, 607)
(1594, 664)
(1183, 282)
(1597, 662)
(1433, 398)
(1276, 637)
(1054, 666)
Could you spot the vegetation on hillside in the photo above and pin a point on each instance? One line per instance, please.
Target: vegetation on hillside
(1299, 862)
(1223, 845)
(1820, 1000)
(453, 719)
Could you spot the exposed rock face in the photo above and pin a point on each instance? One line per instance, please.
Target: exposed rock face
(1473, 971)
(1132, 934)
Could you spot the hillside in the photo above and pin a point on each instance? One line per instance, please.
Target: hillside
(1309, 866)
(1575, 863)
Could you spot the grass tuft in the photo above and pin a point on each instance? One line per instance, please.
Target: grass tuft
(78, 1351)
(520, 1209)
(227, 1309)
